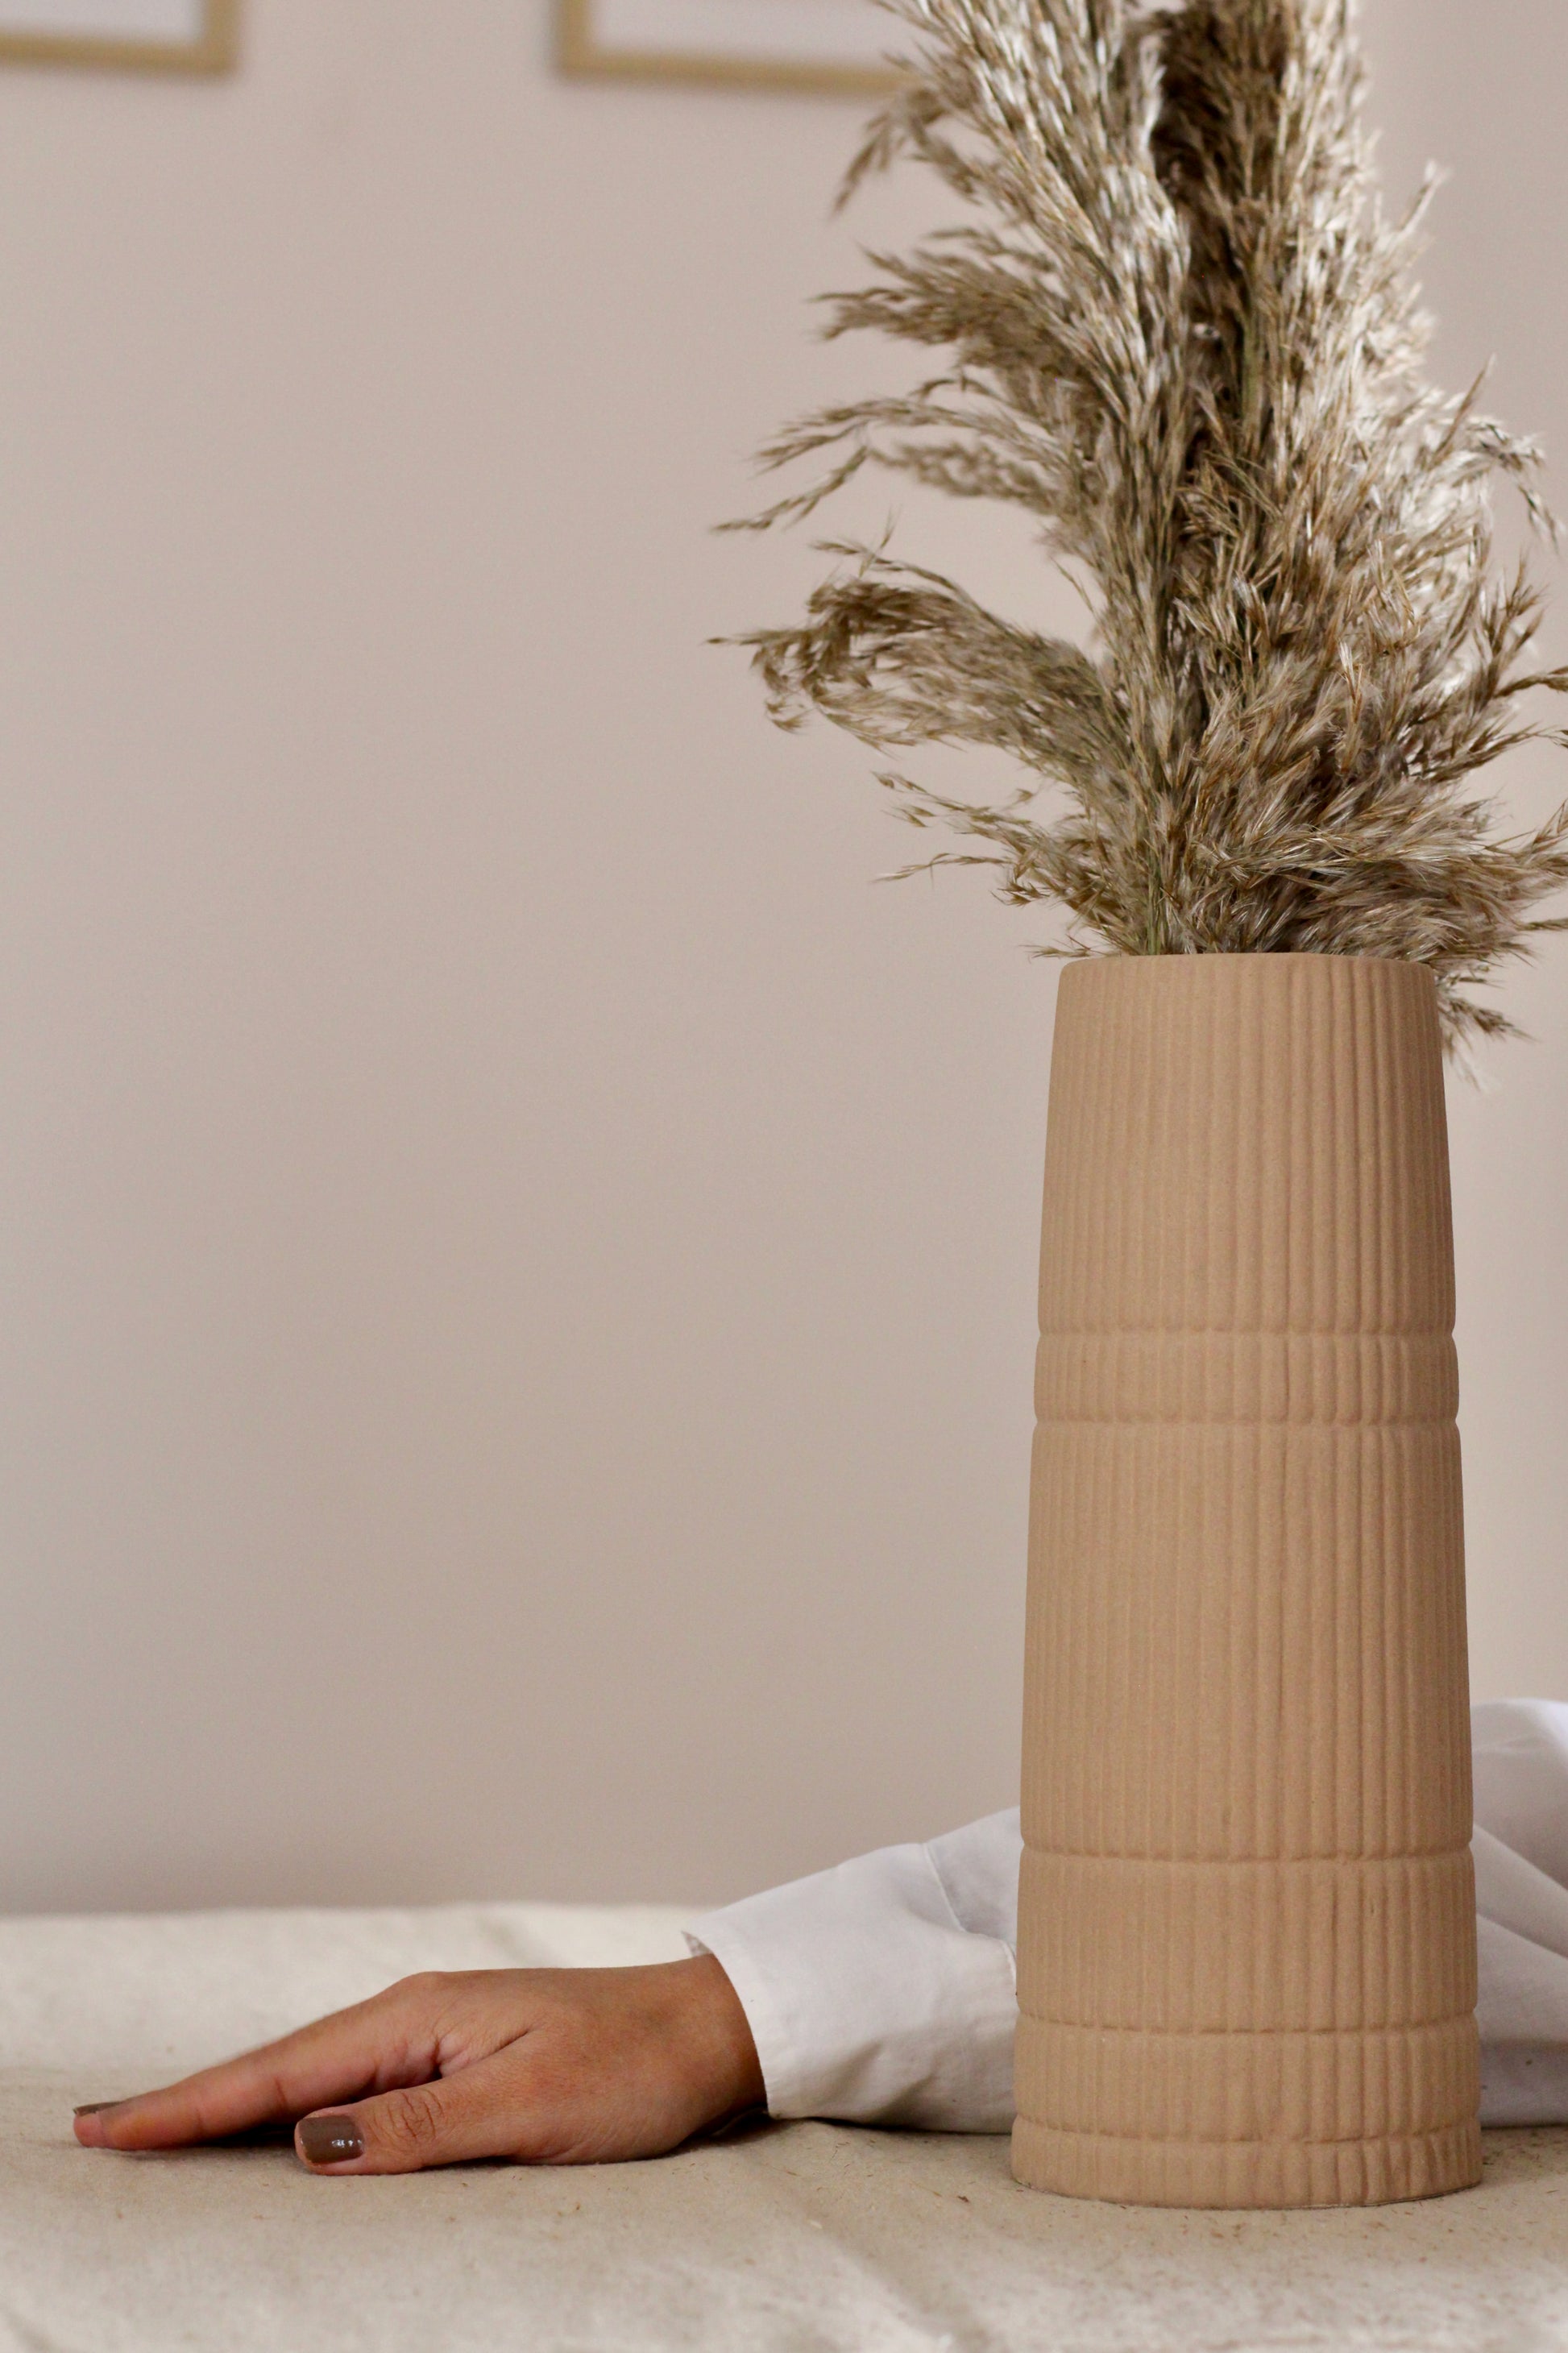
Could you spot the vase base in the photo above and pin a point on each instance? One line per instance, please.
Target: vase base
(1276, 2175)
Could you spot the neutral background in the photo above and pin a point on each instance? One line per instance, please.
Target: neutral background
(516, 1258)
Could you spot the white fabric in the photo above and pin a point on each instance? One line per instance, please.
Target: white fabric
(1522, 1899)
(882, 1991)
(804, 2238)
(868, 1993)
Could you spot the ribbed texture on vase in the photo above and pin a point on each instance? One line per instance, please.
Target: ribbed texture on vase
(1247, 1928)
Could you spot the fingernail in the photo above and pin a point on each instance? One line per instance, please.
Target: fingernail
(329, 2140)
(97, 2107)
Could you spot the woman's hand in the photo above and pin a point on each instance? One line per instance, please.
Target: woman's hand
(548, 2066)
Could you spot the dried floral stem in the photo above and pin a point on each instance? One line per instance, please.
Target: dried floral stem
(1178, 331)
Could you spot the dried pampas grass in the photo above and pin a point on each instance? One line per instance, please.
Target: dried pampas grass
(1178, 331)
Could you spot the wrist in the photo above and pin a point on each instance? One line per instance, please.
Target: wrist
(724, 2053)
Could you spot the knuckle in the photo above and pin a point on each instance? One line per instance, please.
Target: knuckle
(410, 2122)
(419, 1987)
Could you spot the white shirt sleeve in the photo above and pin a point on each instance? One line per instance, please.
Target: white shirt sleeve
(1520, 1751)
(883, 1991)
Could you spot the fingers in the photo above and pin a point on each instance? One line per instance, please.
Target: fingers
(483, 2111)
(390, 2040)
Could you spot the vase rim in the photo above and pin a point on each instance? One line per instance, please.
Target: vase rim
(1248, 955)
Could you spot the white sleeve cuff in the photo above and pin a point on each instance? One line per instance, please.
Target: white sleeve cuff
(870, 2000)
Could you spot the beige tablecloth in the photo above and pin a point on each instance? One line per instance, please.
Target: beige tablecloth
(798, 2239)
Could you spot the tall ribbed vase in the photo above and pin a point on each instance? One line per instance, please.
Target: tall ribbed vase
(1246, 1933)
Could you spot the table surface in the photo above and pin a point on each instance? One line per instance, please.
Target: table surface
(790, 2238)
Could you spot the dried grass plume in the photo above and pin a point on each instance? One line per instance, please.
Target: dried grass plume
(1175, 327)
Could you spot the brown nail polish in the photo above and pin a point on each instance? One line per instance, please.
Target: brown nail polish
(329, 2140)
(97, 2107)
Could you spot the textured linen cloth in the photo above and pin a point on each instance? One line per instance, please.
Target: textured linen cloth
(798, 2238)
(883, 1991)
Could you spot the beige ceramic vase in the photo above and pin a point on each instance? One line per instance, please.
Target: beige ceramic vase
(1246, 1935)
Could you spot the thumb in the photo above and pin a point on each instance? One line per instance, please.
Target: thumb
(455, 2117)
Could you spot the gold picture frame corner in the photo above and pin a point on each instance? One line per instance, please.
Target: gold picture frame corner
(578, 55)
(216, 51)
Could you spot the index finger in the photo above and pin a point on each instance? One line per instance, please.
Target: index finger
(378, 2045)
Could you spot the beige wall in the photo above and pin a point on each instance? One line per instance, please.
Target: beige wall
(516, 1260)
